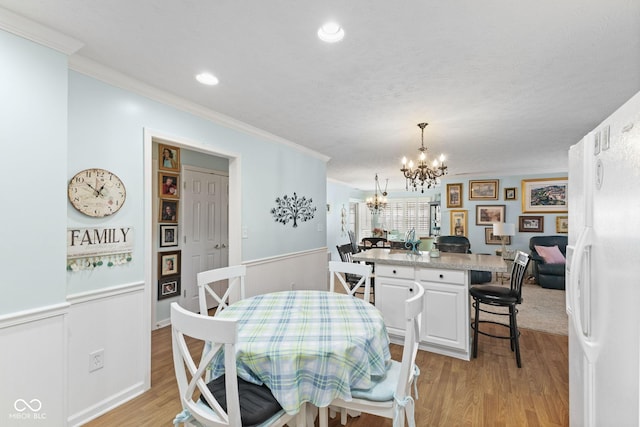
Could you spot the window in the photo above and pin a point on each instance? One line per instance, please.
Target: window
(400, 215)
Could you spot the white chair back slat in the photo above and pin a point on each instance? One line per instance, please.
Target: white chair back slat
(338, 269)
(234, 275)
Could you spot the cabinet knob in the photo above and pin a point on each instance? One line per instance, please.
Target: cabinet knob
(410, 289)
(394, 272)
(442, 276)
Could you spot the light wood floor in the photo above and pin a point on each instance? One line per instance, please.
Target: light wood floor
(487, 391)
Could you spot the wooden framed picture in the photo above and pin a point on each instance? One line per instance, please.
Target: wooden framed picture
(488, 214)
(168, 158)
(168, 235)
(168, 263)
(168, 185)
(168, 211)
(483, 190)
(168, 287)
(458, 222)
(562, 224)
(531, 224)
(454, 195)
(511, 193)
(491, 239)
(546, 195)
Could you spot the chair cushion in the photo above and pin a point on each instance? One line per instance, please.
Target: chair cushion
(494, 294)
(551, 254)
(383, 390)
(257, 403)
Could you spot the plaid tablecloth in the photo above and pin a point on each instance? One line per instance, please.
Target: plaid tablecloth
(308, 346)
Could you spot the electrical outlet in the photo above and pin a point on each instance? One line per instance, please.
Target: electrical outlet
(96, 360)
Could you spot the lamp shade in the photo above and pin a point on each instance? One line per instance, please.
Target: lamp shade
(504, 229)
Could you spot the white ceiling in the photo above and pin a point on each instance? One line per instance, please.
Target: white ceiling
(505, 85)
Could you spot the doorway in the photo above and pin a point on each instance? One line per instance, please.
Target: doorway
(151, 137)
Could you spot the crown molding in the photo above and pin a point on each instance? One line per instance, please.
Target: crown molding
(103, 73)
(30, 30)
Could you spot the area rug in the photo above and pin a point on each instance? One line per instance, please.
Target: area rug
(541, 310)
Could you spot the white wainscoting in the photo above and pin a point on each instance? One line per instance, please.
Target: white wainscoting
(112, 320)
(33, 367)
(297, 271)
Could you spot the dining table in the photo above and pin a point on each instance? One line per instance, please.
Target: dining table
(308, 345)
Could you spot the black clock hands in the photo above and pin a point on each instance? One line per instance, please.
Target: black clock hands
(94, 189)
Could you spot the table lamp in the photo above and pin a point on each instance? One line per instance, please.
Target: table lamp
(503, 229)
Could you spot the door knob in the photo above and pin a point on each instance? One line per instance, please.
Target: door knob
(217, 246)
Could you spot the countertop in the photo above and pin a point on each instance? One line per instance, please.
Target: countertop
(446, 260)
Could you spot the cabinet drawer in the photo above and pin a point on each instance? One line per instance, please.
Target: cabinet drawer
(400, 272)
(443, 276)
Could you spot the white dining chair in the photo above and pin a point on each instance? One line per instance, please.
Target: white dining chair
(227, 401)
(205, 279)
(342, 269)
(391, 397)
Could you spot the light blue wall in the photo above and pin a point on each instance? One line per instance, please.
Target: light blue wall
(56, 122)
(106, 129)
(513, 210)
(338, 196)
(33, 126)
(193, 158)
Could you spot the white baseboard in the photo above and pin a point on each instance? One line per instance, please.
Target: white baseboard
(106, 405)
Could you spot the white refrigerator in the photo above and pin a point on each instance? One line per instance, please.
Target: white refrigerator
(603, 273)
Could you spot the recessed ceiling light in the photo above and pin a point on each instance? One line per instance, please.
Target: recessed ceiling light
(331, 32)
(207, 79)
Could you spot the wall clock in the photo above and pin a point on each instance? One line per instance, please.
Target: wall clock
(96, 192)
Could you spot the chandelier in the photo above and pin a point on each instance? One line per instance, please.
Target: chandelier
(377, 203)
(423, 173)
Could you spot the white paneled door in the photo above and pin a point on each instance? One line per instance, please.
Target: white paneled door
(205, 239)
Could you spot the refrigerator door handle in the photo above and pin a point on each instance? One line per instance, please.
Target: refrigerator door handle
(579, 286)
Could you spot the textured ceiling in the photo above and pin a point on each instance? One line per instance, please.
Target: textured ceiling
(506, 86)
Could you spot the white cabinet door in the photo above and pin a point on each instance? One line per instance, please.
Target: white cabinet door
(391, 295)
(445, 318)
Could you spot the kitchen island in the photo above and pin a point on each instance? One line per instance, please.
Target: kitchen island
(446, 281)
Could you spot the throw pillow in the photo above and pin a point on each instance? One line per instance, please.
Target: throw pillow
(551, 254)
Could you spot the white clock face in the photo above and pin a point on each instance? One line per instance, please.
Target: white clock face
(96, 192)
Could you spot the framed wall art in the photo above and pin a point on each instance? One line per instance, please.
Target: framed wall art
(458, 222)
(454, 195)
(168, 235)
(510, 193)
(488, 214)
(168, 287)
(168, 158)
(491, 239)
(531, 224)
(168, 263)
(168, 185)
(562, 224)
(168, 210)
(483, 190)
(545, 195)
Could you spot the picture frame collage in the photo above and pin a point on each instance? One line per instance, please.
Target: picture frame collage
(538, 196)
(169, 267)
